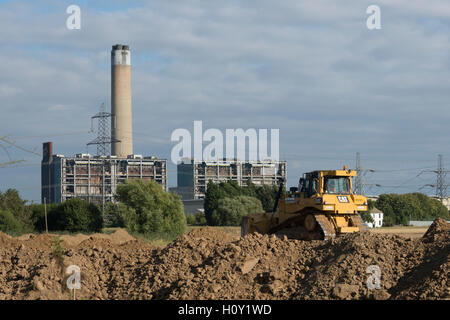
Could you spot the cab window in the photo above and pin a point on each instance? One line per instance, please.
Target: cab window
(337, 185)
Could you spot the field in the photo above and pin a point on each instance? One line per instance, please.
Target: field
(215, 263)
(413, 232)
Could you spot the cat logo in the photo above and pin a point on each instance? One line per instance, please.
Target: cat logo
(289, 200)
(343, 199)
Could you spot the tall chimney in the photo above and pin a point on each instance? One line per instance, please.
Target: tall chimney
(121, 120)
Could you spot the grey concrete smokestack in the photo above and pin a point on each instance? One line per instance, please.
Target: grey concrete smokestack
(121, 119)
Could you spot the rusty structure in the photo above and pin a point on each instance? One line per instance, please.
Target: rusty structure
(94, 178)
(193, 176)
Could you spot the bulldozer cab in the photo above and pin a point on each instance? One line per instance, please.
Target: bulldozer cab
(309, 184)
(326, 182)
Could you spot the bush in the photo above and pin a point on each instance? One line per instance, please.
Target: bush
(197, 219)
(74, 215)
(77, 215)
(266, 194)
(115, 213)
(149, 209)
(9, 223)
(38, 216)
(190, 219)
(230, 211)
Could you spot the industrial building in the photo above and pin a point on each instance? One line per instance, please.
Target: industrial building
(193, 176)
(95, 178)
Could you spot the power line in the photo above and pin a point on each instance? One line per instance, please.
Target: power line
(13, 144)
(360, 174)
(10, 144)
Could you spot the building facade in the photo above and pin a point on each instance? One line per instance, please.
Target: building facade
(94, 178)
(377, 217)
(193, 176)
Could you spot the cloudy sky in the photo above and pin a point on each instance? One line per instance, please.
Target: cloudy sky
(309, 68)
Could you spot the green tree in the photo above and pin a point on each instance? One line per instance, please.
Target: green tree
(266, 194)
(230, 211)
(11, 201)
(9, 223)
(212, 197)
(149, 209)
(115, 213)
(38, 216)
(76, 215)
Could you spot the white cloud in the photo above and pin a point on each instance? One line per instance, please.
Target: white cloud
(309, 68)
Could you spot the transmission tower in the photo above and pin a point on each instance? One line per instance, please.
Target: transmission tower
(360, 173)
(359, 176)
(103, 140)
(441, 187)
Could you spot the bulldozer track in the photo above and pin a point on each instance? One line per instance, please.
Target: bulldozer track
(326, 225)
(357, 221)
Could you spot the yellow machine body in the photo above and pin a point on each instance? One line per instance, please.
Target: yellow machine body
(322, 207)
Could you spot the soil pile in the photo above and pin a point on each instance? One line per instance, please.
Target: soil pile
(30, 269)
(208, 263)
(267, 267)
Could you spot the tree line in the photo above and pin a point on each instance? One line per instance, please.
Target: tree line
(227, 202)
(145, 208)
(399, 209)
(140, 207)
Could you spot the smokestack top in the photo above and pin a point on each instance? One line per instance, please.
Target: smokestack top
(120, 55)
(121, 47)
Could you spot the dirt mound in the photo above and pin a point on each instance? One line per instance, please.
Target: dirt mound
(75, 240)
(118, 237)
(5, 239)
(161, 274)
(209, 263)
(267, 267)
(209, 233)
(438, 229)
(121, 236)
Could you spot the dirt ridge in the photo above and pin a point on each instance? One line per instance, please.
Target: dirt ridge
(209, 263)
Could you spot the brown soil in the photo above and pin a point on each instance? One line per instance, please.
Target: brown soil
(209, 263)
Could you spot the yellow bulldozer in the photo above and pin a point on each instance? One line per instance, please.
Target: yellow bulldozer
(322, 207)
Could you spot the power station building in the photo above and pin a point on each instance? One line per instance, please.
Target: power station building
(193, 176)
(95, 178)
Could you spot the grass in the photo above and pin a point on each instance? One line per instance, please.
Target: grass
(400, 229)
